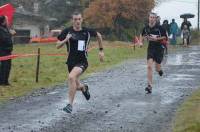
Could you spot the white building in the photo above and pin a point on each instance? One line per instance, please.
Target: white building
(30, 24)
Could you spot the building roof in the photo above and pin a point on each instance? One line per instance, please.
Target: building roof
(21, 11)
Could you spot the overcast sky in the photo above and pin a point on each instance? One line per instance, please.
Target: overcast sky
(173, 9)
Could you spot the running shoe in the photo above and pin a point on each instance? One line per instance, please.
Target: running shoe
(86, 93)
(68, 108)
(148, 89)
(160, 72)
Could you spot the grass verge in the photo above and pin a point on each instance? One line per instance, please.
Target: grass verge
(188, 115)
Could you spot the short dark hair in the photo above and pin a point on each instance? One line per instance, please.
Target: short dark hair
(76, 13)
(166, 21)
(2, 19)
(154, 14)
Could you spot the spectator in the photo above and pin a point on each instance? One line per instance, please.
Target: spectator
(166, 27)
(187, 23)
(186, 35)
(173, 31)
(6, 47)
(158, 20)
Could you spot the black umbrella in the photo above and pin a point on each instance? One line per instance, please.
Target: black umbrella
(187, 15)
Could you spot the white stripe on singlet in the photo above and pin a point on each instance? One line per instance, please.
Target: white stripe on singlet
(68, 44)
(87, 44)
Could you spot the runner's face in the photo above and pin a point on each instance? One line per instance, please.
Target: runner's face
(77, 21)
(152, 19)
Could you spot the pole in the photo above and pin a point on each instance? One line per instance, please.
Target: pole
(198, 15)
(38, 66)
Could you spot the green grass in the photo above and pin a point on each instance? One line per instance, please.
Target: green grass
(188, 115)
(195, 36)
(53, 69)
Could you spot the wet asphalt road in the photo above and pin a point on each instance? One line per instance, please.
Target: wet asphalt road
(118, 101)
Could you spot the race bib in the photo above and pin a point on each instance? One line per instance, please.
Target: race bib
(81, 45)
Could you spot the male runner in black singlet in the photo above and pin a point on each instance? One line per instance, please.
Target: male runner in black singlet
(77, 39)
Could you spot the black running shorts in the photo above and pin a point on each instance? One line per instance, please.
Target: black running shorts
(82, 65)
(156, 54)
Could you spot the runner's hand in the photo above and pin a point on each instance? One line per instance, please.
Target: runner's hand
(12, 31)
(101, 56)
(150, 38)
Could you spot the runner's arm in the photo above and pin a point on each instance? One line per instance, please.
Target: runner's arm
(61, 43)
(63, 38)
(100, 40)
(161, 38)
(101, 53)
(144, 35)
(163, 35)
(93, 33)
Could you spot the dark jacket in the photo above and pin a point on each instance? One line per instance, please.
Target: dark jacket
(186, 23)
(6, 43)
(167, 28)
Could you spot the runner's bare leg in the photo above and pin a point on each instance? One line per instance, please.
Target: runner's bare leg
(158, 67)
(150, 71)
(73, 75)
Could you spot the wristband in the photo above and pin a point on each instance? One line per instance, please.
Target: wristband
(100, 49)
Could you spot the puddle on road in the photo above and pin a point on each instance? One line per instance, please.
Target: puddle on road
(178, 77)
(169, 98)
(53, 93)
(177, 60)
(184, 59)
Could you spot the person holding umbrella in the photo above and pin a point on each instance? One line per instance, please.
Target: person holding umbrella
(185, 31)
(185, 26)
(187, 23)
